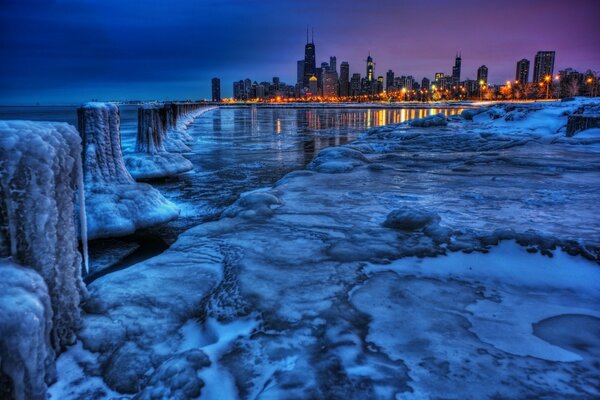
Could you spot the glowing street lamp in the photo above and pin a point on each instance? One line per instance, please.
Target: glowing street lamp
(548, 79)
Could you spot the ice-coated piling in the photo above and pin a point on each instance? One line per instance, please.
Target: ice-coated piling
(40, 174)
(100, 127)
(160, 136)
(152, 127)
(116, 205)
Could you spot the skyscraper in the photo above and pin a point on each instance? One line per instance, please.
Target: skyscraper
(389, 80)
(379, 85)
(482, 74)
(330, 83)
(456, 69)
(370, 69)
(355, 88)
(312, 86)
(439, 76)
(544, 65)
(310, 63)
(300, 72)
(238, 90)
(216, 89)
(333, 63)
(344, 79)
(247, 88)
(522, 75)
(425, 83)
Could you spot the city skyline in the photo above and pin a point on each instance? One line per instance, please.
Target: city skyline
(56, 58)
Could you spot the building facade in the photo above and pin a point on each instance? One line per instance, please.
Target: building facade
(370, 69)
(330, 83)
(310, 60)
(544, 65)
(522, 74)
(344, 79)
(456, 69)
(216, 89)
(482, 74)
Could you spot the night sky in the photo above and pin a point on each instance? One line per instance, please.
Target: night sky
(68, 51)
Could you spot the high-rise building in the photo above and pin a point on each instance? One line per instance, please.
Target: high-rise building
(238, 90)
(333, 63)
(276, 83)
(544, 65)
(379, 86)
(456, 69)
(248, 88)
(344, 79)
(522, 75)
(312, 86)
(216, 89)
(389, 80)
(330, 83)
(425, 83)
(310, 63)
(370, 69)
(482, 74)
(300, 72)
(259, 91)
(355, 89)
(439, 76)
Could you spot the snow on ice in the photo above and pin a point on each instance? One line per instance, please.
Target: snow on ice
(413, 263)
(116, 205)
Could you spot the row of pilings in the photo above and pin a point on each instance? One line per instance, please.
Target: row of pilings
(155, 120)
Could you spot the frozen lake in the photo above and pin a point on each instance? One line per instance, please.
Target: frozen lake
(441, 256)
(235, 149)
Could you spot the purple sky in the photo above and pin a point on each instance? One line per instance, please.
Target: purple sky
(75, 50)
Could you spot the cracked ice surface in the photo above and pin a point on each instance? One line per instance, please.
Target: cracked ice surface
(344, 280)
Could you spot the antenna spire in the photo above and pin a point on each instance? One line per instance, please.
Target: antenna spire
(306, 34)
(313, 35)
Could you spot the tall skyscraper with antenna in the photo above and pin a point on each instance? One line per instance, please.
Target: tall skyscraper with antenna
(310, 63)
(456, 69)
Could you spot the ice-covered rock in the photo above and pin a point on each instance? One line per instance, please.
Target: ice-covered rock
(253, 204)
(337, 160)
(410, 220)
(26, 354)
(116, 205)
(432, 120)
(157, 165)
(469, 113)
(134, 317)
(40, 178)
(177, 378)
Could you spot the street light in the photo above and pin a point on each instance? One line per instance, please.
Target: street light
(548, 79)
(481, 83)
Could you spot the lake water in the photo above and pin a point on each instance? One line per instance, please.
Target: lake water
(236, 149)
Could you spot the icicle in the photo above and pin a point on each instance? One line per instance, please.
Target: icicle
(82, 217)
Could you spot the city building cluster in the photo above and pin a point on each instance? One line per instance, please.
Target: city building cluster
(327, 83)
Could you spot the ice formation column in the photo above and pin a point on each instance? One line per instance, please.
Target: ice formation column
(151, 129)
(40, 174)
(116, 205)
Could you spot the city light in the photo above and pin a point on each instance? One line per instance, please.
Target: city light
(329, 85)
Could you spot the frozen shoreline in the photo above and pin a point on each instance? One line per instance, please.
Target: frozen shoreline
(312, 257)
